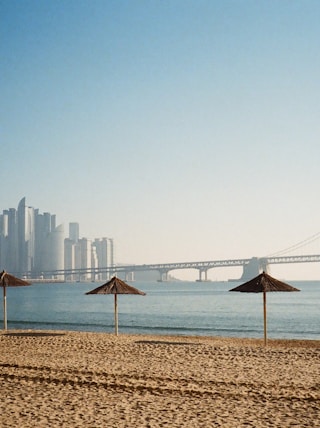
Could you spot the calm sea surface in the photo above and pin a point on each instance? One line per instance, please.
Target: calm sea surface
(178, 308)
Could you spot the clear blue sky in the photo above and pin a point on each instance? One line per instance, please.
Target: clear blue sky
(187, 130)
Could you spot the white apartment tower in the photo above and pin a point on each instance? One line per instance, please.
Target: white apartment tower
(32, 244)
(78, 255)
(74, 232)
(105, 255)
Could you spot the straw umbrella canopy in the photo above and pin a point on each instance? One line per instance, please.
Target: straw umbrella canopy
(116, 286)
(7, 280)
(264, 283)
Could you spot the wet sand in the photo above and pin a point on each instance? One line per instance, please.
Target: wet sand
(75, 379)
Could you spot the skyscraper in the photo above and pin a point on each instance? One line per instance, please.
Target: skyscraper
(32, 244)
(105, 255)
(74, 232)
(25, 224)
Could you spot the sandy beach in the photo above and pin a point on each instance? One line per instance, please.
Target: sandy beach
(78, 379)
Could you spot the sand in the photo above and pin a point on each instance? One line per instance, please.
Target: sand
(77, 379)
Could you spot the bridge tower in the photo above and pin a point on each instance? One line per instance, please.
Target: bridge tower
(254, 268)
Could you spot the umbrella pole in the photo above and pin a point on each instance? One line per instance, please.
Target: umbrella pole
(116, 314)
(4, 308)
(265, 317)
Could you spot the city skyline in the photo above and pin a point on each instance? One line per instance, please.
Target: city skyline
(31, 243)
(40, 239)
(75, 229)
(186, 130)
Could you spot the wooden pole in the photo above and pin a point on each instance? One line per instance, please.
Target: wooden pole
(116, 314)
(265, 317)
(4, 308)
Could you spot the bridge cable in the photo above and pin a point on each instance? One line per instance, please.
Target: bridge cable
(297, 246)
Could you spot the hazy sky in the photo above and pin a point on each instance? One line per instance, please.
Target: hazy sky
(187, 130)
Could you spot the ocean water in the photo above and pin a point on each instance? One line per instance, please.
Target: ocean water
(177, 308)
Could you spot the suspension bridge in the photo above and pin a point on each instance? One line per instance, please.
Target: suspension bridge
(251, 266)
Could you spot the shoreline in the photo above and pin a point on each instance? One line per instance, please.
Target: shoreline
(94, 379)
(251, 340)
(235, 340)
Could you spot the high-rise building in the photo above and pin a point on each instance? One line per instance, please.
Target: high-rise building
(32, 244)
(104, 248)
(69, 259)
(56, 250)
(85, 247)
(42, 231)
(74, 232)
(83, 258)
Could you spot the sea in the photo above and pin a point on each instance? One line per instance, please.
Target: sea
(168, 308)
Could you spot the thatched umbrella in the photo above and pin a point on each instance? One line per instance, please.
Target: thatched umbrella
(116, 286)
(264, 283)
(7, 280)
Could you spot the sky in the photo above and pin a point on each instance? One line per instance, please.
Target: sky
(186, 130)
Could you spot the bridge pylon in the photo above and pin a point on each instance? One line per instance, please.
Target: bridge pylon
(202, 272)
(255, 266)
(163, 275)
